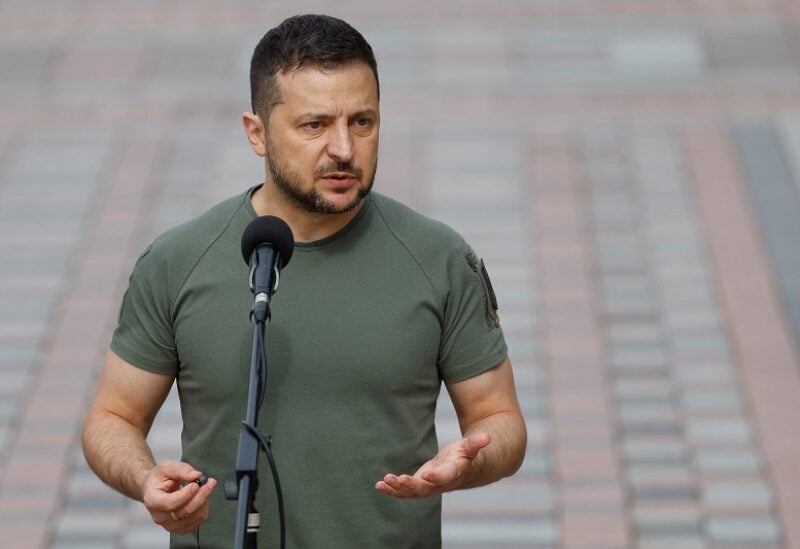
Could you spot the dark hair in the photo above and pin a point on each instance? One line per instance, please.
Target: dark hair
(317, 40)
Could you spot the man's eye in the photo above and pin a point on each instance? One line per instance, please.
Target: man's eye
(364, 122)
(314, 125)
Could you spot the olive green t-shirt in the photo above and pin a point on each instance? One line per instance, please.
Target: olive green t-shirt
(366, 324)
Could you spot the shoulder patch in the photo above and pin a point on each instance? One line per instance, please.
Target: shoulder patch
(139, 259)
(490, 299)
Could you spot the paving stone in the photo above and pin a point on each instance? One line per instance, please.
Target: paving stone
(504, 497)
(749, 46)
(6, 438)
(101, 526)
(679, 527)
(101, 501)
(672, 542)
(537, 531)
(699, 344)
(720, 400)
(606, 529)
(703, 371)
(24, 63)
(83, 544)
(20, 353)
(652, 429)
(685, 273)
(777, 206)
(632, 392)
(145, 538)
(742, 530)
(788, 128)
(646, 412)
(721, 462)
(724, 430)
(536, 465)
(643, 473)
(739, 493)
(13, 382)
(649, 359)
(481, 115)
(690, 317)
(686, 293)
(663, 493)
(648, 371)
(655, 450)
(98, 63)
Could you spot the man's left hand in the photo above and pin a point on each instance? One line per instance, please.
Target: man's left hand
(446, 471)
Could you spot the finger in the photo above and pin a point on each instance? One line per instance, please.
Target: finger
(165, 478)
(409, 487)
(172, 501)
(177, 522)
(382, 487)
(392, 491)
(183, 526)
(178, 470)
(473, 444)
(442, 475)
(393, 484)
(199, 500)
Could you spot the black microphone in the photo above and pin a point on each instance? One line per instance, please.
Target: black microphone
(267, 246)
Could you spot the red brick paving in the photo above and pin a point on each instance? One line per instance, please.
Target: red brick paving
(766, 355)
(575, 400)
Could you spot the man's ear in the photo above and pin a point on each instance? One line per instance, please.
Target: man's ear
(255, 132)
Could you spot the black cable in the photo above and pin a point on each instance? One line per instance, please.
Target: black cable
(262, 368)
(265, 444)
(261, 352)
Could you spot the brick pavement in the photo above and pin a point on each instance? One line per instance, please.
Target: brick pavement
(629, 170)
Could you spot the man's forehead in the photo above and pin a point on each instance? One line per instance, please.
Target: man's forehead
(317, 84)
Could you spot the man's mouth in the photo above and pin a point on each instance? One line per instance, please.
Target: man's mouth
(340, 182)
(339, 176)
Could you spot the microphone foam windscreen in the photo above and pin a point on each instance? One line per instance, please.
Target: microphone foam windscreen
(268, 229)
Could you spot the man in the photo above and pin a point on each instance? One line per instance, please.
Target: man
(378, 306)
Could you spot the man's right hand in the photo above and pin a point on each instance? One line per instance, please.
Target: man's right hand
(114, 443)
(174, 500)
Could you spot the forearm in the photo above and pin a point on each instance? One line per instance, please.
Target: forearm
(503, 456)
(117, 452)
(493, 443)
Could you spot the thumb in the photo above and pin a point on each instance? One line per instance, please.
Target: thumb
(178, 470)
(473, 443)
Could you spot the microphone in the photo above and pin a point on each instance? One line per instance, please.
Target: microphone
(267, 246)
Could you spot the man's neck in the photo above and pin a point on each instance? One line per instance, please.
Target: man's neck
(306, 226)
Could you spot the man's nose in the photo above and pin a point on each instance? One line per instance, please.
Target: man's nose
(340, 146)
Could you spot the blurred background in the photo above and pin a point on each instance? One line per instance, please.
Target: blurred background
(629, 170)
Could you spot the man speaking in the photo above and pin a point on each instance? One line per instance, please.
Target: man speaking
(377, 308)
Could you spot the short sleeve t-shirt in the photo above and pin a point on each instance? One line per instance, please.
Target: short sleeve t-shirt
(366, 324)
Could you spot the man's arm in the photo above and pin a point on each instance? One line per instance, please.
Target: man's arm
(494, 440)
(114, 444)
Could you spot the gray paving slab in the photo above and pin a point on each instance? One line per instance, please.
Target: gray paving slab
(742, 530)
(776, 203)
(752, 44)
(469, 89)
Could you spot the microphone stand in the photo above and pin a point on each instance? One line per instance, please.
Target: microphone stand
(242, 482)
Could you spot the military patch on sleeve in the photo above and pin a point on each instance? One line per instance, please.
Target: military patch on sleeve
(490, 299)
(139, 259)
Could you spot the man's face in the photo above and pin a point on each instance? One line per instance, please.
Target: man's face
(322, 139)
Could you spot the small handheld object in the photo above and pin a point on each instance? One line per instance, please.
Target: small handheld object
(201, 480)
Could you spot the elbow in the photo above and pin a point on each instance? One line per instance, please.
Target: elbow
(87, 435)
(520, 447)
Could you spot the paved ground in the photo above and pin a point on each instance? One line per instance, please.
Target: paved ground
(629, 170)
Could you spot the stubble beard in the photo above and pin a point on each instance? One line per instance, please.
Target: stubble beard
(289, 183)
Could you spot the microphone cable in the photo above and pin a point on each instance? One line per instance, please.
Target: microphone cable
(266, 443)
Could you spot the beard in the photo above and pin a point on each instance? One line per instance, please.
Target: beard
(289, 183)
